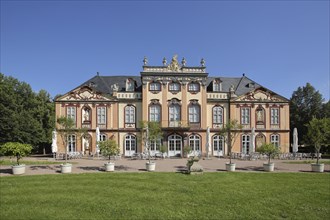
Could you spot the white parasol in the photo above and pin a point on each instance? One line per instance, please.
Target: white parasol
(208, 146)
(252, 142)
(54, 141)
(97, 139)
(295, 141)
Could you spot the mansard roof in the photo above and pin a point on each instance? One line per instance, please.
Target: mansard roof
(104, 84)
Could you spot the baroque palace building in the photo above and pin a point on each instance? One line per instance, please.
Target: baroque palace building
(184, 100)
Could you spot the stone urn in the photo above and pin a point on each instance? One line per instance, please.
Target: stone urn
(269, 167)
(18, 169)
(150, 166)
(66, 168)
(230, 167)
(109, 167)
(317, 167)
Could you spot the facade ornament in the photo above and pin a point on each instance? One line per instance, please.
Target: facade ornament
(145, 61)
(202, 62)
(115, 87)
(174, 66)
(183, 62)
(164, 61)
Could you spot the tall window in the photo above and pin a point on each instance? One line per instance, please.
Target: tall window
(71, 112)
(275, 139)
(194, 113)
(130, 143)
(193, 87)
(194, 142)
(155, 145)
(245, 116)
(217, 86)
(71, 143)
(101, 115)
(217, 115)
(275, 116)
(245, 144)
(154, 86)
(154, 113)
(174, 112)
(174, 87)
(218, 143)
(174, 142)
(130, 114)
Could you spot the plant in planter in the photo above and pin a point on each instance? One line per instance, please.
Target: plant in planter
(163, 150)
(270, 150)
(318, 133)
(17, 150)
(230, 133)
(109, 148)
(65, 128)
(151, 135)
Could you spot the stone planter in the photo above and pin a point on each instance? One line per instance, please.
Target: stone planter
(18, 169)
(269, 167)
(317, 167)
(151, 166)
(230, 167)
(66, 168)
(109, 167)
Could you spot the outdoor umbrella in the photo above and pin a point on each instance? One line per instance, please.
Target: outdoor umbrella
(54, 141)
(208, 146)
(295, 141)
(252, 142)
(97, 140)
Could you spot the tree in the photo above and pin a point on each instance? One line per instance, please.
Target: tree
(305, 104)
(150, 132)
(66, 127)
(230, 133)
(109, 148)
(16, 149)
(269, 149)
(318, 133)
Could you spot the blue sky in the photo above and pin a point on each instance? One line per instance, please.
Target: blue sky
(57, 45)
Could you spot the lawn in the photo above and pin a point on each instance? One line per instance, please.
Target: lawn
(166, 196)
(27, 162)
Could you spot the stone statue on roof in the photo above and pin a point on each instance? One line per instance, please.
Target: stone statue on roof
(174, 65)
(145, 61)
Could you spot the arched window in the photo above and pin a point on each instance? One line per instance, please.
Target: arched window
(194, 113)
(217, 115)
(217, 87)
(245, 144)
(195, 144)
(130, 114)
(71, 112)
(130, 145)
(71, 143)
(174, 144)
(218, 144)
(275, 139)
(174, 114)
(154, 112)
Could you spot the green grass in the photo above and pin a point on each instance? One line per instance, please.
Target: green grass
(307, 161)
(166, 196)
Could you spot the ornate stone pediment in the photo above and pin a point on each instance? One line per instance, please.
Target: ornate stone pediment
(84, 93)
(261, 95)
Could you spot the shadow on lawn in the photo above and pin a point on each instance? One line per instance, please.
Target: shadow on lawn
(90, 168)
(6, 171)
(44, 167)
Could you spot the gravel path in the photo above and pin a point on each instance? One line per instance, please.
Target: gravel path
(162, 165)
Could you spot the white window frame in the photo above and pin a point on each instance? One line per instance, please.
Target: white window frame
(217, 87)
(275, 116)
(218, 143)
(195, 143)
(174, 112)
(174, 87)
(71, 112)
(217, 115)
(154, 86)
(246, 143)
(154, 113)
(101, 115)
(194, 113)
(245, 115)
(130, 143)
(275, 139)
(129, 114)
(193, 87)
(71, 140)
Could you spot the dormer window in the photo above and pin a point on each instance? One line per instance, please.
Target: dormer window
(130, 84)
(154, 86)
(174, 87)
(193, 87)
(217, 86)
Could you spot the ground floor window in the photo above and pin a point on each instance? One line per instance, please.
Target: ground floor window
(245, 144)
(71, 143)
(218, 142)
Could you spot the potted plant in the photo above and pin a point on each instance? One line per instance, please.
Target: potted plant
(230, 133)
(270, 150)
(163, 150)
(186, 151)
(66, 127)
(109, 148)
(17, 150)
(151, 134)
(318, 133)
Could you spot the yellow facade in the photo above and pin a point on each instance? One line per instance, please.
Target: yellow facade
(185, 101)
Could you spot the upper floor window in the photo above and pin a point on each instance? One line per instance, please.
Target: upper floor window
(174, 87)
(130, 114)
(275, 139)
(101, 115)
(194, 113)
(154, 86)
(154, 113)
(245, 115)
(217, 115)
(217, 87)
(275, 116)
(193, 87)
(174, 112)
(71, 112)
